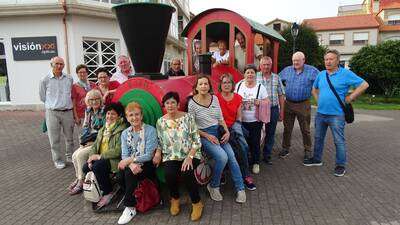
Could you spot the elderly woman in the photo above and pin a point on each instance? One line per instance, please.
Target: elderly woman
(94, 120)
(231, 106)
(105, 153)
(252, 93)
(79, 91)
(138, 143)
(207, 112)
(179, 149)
(105, 86)
(221, 56)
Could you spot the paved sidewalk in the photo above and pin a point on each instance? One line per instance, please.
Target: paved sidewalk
(33, 192)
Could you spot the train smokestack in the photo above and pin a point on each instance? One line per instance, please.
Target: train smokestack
(144, 27)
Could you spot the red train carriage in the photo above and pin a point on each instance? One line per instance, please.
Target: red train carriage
(146, 48)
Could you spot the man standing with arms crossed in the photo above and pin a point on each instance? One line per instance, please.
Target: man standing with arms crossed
(55, 92)
(329, 112)
(298, 80)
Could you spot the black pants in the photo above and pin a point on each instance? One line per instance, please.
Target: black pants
(254, 129)
(173, 172)
(130, 181)
(101, 169)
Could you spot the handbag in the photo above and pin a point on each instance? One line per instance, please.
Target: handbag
(203, 171)
(346, 107)
(147, 195)
(87, 136)
(91, 188)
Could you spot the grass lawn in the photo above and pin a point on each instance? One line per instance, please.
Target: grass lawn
(366, 101)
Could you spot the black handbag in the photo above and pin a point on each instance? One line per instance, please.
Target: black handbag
(87, 136)
(346, 107)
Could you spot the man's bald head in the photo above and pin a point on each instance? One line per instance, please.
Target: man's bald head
(298, 60)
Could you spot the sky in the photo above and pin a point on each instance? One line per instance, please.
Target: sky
(264, 11)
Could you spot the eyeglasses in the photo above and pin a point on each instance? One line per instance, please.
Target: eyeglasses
(94, 100)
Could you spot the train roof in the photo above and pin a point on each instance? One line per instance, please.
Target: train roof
(255, 26)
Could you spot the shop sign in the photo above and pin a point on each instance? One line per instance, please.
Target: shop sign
(34, 48)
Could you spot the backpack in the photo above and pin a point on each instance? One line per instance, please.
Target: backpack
(91, 188)
(258, 88)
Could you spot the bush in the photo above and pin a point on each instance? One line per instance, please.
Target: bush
(379, 65)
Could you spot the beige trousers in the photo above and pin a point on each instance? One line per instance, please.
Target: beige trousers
(79, 159)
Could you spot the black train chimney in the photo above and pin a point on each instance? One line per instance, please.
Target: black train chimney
(144, 27)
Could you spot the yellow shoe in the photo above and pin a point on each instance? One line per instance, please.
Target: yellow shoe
(174, 210)
(197, 210)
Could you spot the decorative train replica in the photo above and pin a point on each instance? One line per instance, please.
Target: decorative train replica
(145, 26)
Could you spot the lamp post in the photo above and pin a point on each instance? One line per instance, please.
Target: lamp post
(295, 31)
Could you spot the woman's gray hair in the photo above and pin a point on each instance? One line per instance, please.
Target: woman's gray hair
(94, 93)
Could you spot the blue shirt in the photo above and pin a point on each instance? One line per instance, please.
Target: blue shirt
(298, 86)
(56, 92)
(131, 141)
(341, 80)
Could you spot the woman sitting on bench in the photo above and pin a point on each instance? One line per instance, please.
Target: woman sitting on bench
(106, 151)
(138, 142)
(179, 149)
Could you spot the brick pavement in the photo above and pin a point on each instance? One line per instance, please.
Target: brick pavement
(33, 192)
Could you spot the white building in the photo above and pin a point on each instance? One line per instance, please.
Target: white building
(80, 31)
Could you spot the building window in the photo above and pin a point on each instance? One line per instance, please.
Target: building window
(360, 38)
(394, 19)
(99, 53)
(277, 26)
(336, 39)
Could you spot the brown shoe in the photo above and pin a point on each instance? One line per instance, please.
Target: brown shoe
(77, 189)
(174, 210)
(197, 210)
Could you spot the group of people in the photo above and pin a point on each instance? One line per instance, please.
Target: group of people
(225, 125)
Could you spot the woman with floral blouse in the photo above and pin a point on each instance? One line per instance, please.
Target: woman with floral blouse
(179, 150)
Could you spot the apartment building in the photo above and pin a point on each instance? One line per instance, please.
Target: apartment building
(368, 23)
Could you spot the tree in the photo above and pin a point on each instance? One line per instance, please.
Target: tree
(306, 42)
(379, 65)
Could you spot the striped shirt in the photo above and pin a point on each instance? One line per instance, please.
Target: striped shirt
(273, 85)
(56, 92)
(206, 116)
(298, 85)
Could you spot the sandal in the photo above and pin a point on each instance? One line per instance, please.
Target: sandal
(73, 184)
(105, 200)
(77, 189)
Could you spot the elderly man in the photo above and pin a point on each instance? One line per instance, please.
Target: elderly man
(329, 112)
(298, 80)
(240, 53)
(55, 92)
(276, 94)
(175, 69)
(124, 70)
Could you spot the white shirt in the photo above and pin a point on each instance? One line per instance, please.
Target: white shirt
(240, 57)
(217, 56)
(120, 77)
(249, 95)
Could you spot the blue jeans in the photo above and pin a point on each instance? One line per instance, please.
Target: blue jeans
(222, 154)
(270, 129)
(244, 148)
(336, 124)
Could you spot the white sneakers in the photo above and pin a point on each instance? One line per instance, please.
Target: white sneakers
(256, 168)
(59, 165)
(241, 196)
(215, 194)
(127, 215)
